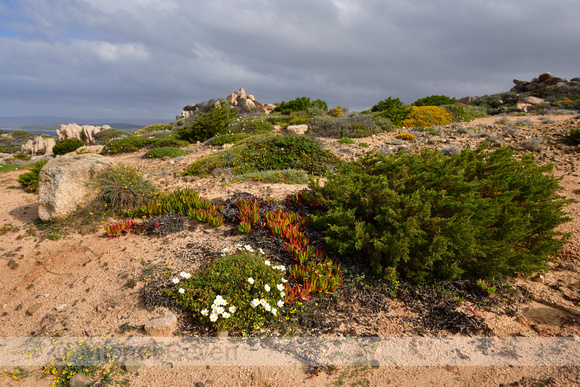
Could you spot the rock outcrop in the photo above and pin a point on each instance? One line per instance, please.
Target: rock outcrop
(63, 184)
(85, 133)
(38, 146)
(541, 82)
(239, 100)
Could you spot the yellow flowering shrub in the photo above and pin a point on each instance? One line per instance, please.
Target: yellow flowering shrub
(425, 116)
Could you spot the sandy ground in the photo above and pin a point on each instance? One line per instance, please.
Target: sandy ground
(76, 282)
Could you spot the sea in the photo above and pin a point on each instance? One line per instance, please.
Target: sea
(33, 133)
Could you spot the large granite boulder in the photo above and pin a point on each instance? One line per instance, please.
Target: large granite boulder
(38, 146)
(84, 133)
(63, 184)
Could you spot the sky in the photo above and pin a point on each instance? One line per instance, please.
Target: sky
(150, 58)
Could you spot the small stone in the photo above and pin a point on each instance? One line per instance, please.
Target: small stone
(60, 307)
(163, 326)
(539, 278)
(132, 365)
(222, 334)
(199, 384)
(80, 380)
(33, 308)
(450, 150)
(12, 264)
(209, 381)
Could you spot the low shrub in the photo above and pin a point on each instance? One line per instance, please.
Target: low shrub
(435, 100)
(431, 217)
(30, 179)
(287, 176)
(230, 138)
(575, 135)
(352, 126)
(67, 145)
(237, 291)
(268, 152)
(461, 113)
(154, 128)
(206, 125)
(346, 140)
(104, 136)
(406, 137)
(9, 167)
(425, 116)
(122, 189)
(299, 104)
(167, 151)
(251, 125)
(125, 145)
(393, 109)
(335, 112)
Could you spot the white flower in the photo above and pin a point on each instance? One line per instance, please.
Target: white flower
(249, 248)
(280, 304)
(181, 290)
(263, 302)
(225, 250)
(204, 312)
(284, 280)
(213, 317)
(219, 310)
(261, 251)
(187, 275)
(267, 263)
(233, 309)
(251, 280)
(281, 268)
(267, 287)
(268, 307)
(175, 280)
(255, 302)
(280, 287)
(274, 311)
(225, 315)
(282, 294)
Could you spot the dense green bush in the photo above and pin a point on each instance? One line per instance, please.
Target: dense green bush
(106, 135)
(575, 135)
(67, 145)
(461, 113)
(231, 138)
(166, 151)
(169, 142)
(237, 291)
(251, 125)
(429, 217)
(393, 109)
(353, 125)
(125, 145)
(267, 152)
(206, 125)
(435, 100)
(121, 189)
(300, 104)
(30, 179)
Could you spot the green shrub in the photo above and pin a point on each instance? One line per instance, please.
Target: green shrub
(207, 125)
(169, 142)
(354, 126)
(393, 109)
(167, 151)
(425, 116)
(575, 135)
(299, 104)
(126, 145)
(232, 138)
(121, 189)
(429, 217)
(267, 152)
(435, 100)
(346, 140)
(67, 145)
(251, 125)
(461, 113)
(287, 176)
(9, 167)
(30, 179)
(19, 133)
(238, 280)
(104, 136)
(154, 128)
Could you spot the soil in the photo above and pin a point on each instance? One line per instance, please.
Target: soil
(85, 284)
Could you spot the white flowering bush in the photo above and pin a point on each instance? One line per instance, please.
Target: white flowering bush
(240, 290)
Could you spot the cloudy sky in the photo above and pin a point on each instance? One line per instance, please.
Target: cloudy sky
(149, 58)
